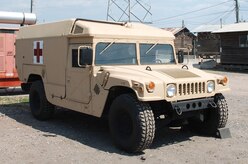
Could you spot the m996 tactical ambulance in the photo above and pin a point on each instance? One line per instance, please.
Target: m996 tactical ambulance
(126, 71)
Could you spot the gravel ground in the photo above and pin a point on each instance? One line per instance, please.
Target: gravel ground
(76, 138)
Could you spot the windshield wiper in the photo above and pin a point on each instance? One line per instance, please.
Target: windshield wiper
(110, 44)
(151, 48)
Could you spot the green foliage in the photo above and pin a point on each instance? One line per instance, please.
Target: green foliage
(5, 100)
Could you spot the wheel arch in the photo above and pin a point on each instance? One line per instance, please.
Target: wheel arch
(114, 92)
(32, 78)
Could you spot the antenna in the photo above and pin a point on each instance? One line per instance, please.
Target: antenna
(129, 11)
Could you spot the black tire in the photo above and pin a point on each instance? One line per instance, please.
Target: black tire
(213, 118)
(25, 87)
(39, 105)
(131, 123)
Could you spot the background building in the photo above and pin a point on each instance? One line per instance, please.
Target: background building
(207, 43)
(234, 44)
(184, 39)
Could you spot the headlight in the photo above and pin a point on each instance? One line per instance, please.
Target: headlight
(210, 86)
(171, 90)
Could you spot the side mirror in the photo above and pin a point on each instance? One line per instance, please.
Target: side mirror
(85, 55)
(180, 57)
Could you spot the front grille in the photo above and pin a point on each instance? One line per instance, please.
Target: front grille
(191, 88)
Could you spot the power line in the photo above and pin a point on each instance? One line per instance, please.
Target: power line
(162, 19)
(190, 19)
(224, 17)
(221, 12)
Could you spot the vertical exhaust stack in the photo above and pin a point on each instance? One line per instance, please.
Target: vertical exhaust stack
(17, 18)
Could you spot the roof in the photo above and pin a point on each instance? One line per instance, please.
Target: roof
(174, 30)
(81, 27)
(206, 28)
(237, 27)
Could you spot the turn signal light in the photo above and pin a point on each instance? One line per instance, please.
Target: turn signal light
(150, 87)
(223, 81)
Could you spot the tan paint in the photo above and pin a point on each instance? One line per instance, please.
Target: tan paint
(86, 89)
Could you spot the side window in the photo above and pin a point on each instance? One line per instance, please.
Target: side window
(243, 40)
(75, 58)
(85, 57)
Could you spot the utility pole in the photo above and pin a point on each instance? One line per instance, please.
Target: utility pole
(237, 10)
(31, 7)
(183, 25)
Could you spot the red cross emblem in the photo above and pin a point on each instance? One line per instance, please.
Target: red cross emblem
(38, 48)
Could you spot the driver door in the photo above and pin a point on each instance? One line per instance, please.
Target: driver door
(78, 78)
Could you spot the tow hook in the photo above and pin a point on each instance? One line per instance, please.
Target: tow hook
(212, 104)
(178, 110)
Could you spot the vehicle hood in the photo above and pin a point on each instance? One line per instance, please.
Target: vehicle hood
(165, 73)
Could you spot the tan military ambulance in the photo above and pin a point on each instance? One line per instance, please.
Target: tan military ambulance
(126, 71)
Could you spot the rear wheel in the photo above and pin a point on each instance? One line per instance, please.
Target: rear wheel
(131, 123)
(40, 107)
(26, 87)
(212, 119)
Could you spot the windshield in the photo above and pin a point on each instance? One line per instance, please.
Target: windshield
(156, 54)
(116, 54)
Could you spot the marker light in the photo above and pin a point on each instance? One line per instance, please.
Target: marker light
(223, 81)
(150, 87)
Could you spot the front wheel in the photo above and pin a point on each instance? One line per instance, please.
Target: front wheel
(131, 123)
(40, 107)
(212, 119)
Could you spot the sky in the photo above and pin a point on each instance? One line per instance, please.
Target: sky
(165, 13)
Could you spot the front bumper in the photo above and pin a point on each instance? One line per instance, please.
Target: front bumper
(193, 105)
